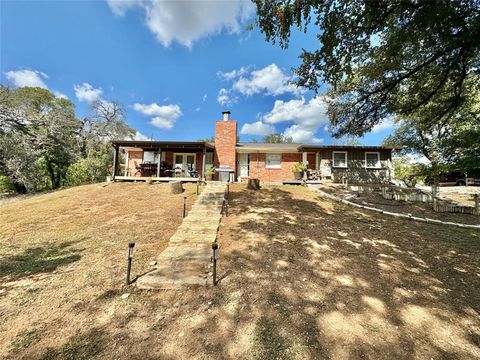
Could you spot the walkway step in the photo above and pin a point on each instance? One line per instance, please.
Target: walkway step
(186, 260)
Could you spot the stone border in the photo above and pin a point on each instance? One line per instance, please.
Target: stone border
(399, 215)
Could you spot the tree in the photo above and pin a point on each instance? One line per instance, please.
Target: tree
(37, 137)
(382, 57)
(277, 139)
(348, 141)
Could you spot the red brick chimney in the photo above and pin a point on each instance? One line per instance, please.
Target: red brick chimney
(226, 141)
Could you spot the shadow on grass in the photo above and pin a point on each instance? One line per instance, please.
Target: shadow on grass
(36, 260)
(81, 346)
(326, 281)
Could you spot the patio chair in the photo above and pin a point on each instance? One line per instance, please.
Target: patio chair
(138, 169)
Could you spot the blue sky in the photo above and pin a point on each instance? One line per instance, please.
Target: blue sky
(173, 65)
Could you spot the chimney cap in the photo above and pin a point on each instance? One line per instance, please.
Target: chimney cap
(226, 112)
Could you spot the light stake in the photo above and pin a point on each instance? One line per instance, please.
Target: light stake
(131, 251)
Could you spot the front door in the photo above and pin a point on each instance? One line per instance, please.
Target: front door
(243, 166)
(185, 164)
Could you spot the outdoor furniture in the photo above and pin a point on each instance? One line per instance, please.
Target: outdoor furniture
(148, 169)
(313, 174)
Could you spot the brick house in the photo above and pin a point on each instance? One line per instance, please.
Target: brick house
(189, 160)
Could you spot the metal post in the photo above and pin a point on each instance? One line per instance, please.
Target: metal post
(226, 207)
(131, 247)
(228, 189)
(184, 206)
(477, 203)
(214, 261)
(198, 184)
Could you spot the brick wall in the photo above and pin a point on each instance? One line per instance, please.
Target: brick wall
(225, 143)
(259, 171)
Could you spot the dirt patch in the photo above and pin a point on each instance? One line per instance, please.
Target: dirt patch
(301, 278)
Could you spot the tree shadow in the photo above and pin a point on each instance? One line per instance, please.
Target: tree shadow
(324, 280)
(38, 259)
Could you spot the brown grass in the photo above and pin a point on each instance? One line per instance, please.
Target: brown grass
(301, 278)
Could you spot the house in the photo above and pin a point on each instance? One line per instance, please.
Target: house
(189, 160)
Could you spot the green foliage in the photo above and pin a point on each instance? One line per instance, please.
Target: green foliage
(5, 185)
(277, 139)
(299, 167)
(382, 57)
(44, 145)
(408, 172)
(210, 171)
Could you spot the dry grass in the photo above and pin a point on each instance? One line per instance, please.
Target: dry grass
(301, 278)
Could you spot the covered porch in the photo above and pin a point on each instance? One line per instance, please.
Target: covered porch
(161, 160)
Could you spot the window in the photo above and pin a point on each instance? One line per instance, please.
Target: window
(340, 159)
(148, 157)
(372, 160)
(273, 161)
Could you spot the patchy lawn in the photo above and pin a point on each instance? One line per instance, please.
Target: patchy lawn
(419, 209)
(301, 278)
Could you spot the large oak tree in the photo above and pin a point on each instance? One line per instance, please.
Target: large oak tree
(383, 58)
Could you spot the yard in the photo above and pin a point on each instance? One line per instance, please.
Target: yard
(301, 278)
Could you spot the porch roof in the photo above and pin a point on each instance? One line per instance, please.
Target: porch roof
(305, 147)
(164, 145)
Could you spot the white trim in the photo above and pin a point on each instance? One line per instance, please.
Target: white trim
(346, 159)
(379, 164)
(279, 166)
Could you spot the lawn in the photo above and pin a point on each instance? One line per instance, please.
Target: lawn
(301, 278)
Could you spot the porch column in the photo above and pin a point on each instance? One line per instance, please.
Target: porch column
(127, 170)
(304, 162)
(204, 159)
(159, 161)
(115, 161)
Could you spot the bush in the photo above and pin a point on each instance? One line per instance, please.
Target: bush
(85, 171)
(5, 185)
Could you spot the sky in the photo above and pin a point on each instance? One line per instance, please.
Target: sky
(173, 65)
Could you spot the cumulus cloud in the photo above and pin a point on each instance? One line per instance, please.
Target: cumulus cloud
(188, 21)
(230, 75)
(270, 80)
(163, 116)
(257, 128)
(225, 97)
(307, 116)
(86, 92)
(30, 78)
(140, 137)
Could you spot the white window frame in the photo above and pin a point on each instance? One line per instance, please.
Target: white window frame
(379, 164)
(346, 159)
(269, 166)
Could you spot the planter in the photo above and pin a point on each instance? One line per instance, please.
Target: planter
(297, 175)
(208, 177)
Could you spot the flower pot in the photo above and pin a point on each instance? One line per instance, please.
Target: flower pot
(297, 175)
(208, 177)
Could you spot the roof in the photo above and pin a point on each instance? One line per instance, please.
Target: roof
(306, 147)
(295, 147)
(262, 147)
(187, 145)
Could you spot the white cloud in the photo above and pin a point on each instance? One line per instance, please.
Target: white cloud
(188, 21)
(163, 116)
(257, 128)
(271, 80)
(87, 92)
(301, 135)
(230, 75)
(59, 95)
(30, 78)
(204, 98)
(225, 98)
(386, 124)
(140, 137)
(307, 116)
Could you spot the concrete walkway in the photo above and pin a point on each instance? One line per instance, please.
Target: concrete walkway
(186, 260)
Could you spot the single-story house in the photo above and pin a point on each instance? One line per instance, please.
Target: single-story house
(190, 160)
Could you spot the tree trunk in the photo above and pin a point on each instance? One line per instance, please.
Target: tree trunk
(253, 184)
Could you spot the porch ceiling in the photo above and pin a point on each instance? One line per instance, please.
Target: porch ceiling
(180, 146)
